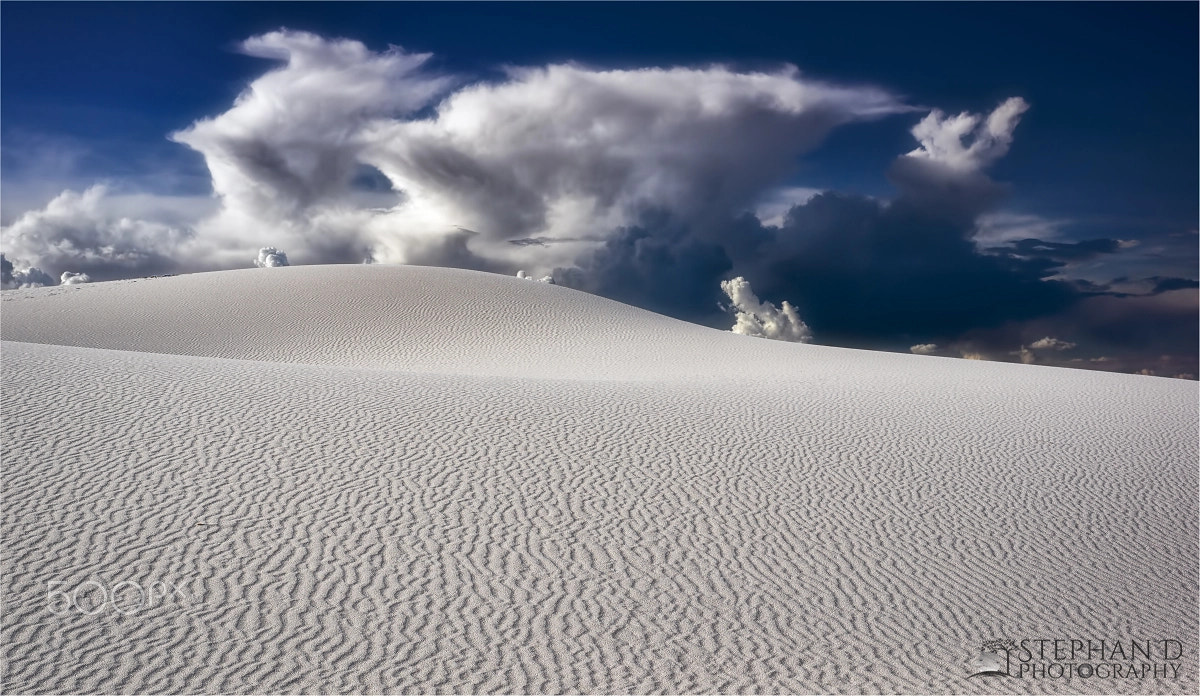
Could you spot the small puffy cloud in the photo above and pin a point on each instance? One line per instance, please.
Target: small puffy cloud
(270, 257)
(763, 319)
(924, 348)
(1051, 343)
(544, 279)
(942, 136)
(12, 278)
(69, 278)
(972, 355)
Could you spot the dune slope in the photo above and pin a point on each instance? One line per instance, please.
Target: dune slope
(377, 479)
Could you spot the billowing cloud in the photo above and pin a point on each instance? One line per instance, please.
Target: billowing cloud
(923, 349)
(1051, 343)
(942, 137)
(270, 257)
(12, 278)
(533, 169)
(294, 138)
(863, 270)
(69, 278)
(763, 319)
(565, 152)
(82, 232)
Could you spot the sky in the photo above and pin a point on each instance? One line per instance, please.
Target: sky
(1000, 181)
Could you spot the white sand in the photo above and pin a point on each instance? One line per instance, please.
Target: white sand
(366, 478)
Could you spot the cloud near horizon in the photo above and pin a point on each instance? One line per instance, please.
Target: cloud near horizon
(753, 317)
(270, 257)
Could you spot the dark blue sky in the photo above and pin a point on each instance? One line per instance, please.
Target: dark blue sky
(1111, 137)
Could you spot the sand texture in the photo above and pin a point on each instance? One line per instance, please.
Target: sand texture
(400, 479)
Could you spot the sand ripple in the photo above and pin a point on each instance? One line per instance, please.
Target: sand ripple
(421, 517)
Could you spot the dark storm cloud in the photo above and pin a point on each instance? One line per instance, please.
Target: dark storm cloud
(1162, 285)
(865, 271)
(1061, 251)
(859, 270)
(12, 278)
(659, 265)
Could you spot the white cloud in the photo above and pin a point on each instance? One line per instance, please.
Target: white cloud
(1050, 343)
(942, 136)
(270, 257)
(544, 279)
(560, 152)
(12, 278)
(924, 348)
(763, 319)
(87, 232)
(69, 278)
(568, 152)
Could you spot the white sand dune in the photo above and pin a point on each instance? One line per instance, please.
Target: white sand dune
(382, 479)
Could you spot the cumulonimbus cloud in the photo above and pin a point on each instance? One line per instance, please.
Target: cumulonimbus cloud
(560, 152)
